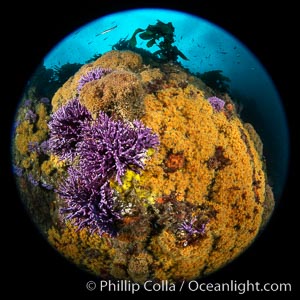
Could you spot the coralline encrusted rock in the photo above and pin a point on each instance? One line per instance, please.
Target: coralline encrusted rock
(119, 93)
(123, 60)
(255, 138)
(116, 60)
(202, 196)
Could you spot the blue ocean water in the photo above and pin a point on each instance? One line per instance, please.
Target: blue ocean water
(208, 47)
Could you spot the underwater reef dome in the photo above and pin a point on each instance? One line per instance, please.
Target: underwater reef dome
(144, 150)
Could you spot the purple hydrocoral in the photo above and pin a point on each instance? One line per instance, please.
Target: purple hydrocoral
(39, 148)
(44, 147)
(193, 228)
(47, 186)
(92, 75)
(30, 116)
(18, 171)
(216, 103)
(90, 202)
(45, 100)
(105, 148)
(111, 147)
(32, 180)
(27, 103)
(33, 147)
(65, 127)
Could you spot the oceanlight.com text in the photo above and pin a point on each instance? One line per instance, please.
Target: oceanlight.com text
(193, 286)
(239, 287)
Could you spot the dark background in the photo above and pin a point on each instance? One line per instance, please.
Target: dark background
(30, 266)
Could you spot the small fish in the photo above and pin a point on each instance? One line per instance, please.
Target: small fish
(107, 30)
(222, 52)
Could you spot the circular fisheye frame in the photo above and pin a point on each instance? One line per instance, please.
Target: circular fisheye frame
(144, 147)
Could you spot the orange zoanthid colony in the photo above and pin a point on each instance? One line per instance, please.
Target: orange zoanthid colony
(192, 199)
